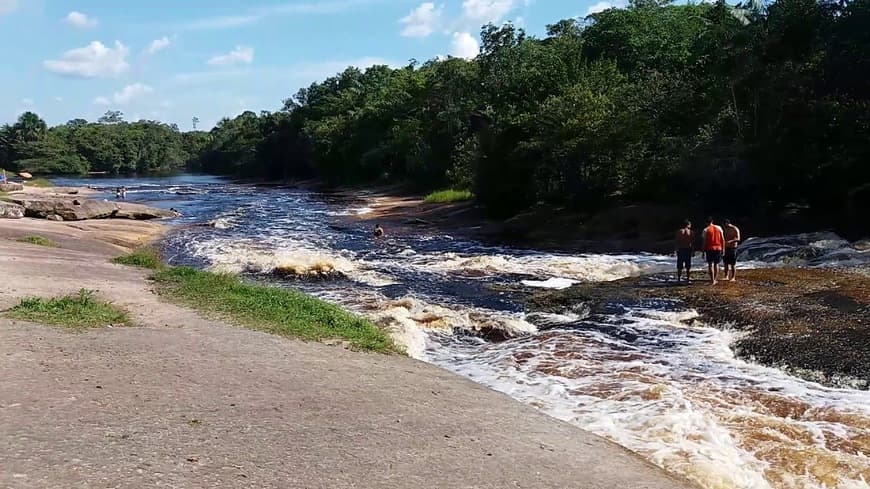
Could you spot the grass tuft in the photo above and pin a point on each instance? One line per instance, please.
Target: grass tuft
(77, 311)
(274, 310)
(142, 257)
(39, 241)
(40, 182)
(447, 196)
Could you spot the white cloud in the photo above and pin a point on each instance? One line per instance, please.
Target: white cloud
(484, 11)
(166, 104)
(27, 101)
(80, 20)
(239, 55)
(8, 6)
(131, 92)
(158, 44)
(91, 61)
(520, 22)
(604, 5)
(126, 95)
(58, 99)
(222, 22)
(422, 21)
(252, 16)
(296, 75)
(464, 45)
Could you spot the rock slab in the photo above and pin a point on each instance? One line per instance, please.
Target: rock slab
(83, 209)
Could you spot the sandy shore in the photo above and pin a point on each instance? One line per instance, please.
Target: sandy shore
(180, 401)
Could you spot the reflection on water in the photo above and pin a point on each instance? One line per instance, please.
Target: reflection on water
(646, 377)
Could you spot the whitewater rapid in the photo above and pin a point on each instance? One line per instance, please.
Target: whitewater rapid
(649, 376)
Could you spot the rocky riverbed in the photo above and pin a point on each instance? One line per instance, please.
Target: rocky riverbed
(813, 322)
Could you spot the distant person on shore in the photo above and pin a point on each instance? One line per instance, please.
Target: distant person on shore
(3, 176)
(732, 239)
(378, 231)
(714, 245)
(684, 247)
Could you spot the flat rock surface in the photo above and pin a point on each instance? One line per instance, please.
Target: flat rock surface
(179, 401)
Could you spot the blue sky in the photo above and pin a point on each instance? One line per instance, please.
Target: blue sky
(173, 60)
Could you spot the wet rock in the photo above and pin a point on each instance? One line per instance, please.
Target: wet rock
(141, 212)
(11, 211)
(863, 245)
(317, 272)
(10, 187)
(54, 217)
(815, 322)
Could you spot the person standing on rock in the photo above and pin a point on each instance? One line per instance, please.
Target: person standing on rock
(732, 239)
(714, 245)
(684, 247)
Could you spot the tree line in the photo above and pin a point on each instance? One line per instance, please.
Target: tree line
(110, 145)
(742, 108)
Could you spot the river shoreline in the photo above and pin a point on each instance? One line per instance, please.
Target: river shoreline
(163, 391)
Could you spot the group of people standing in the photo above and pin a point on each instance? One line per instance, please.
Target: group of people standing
(719, 245)
(121, 193)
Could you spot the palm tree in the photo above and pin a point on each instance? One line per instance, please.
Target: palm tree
(29, 127)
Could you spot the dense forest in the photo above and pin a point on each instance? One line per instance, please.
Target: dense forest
(741, 107)
(109, 145)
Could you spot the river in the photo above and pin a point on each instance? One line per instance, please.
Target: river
(647, 377)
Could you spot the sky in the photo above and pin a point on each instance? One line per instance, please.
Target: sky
(172, 61)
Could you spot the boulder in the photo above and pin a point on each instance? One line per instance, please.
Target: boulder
(11, 187)
(11, 211)
(82, 209)
(44, 207)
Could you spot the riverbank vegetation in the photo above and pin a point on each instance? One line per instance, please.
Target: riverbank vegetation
(447, 196)
(147, 258)
(76, 311)
(657, 102)
(275, 310)
(39, 241)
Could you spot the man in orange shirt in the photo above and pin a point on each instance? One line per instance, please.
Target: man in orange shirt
(714, 245)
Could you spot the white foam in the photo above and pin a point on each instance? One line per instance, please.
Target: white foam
(685, 402)
(553, 283)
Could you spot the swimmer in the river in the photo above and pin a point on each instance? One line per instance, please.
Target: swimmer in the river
(378, 231)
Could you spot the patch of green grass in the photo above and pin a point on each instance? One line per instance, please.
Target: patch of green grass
(78, 311)
(446, 196)
(142, 258)
(38, 240)
(40, 182)
(274, 310)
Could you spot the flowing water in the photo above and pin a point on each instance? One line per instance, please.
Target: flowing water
(646, 377)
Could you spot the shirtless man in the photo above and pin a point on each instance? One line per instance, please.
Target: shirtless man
(714, 245)
(684, 248)
(378, 232)
(732, 239)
